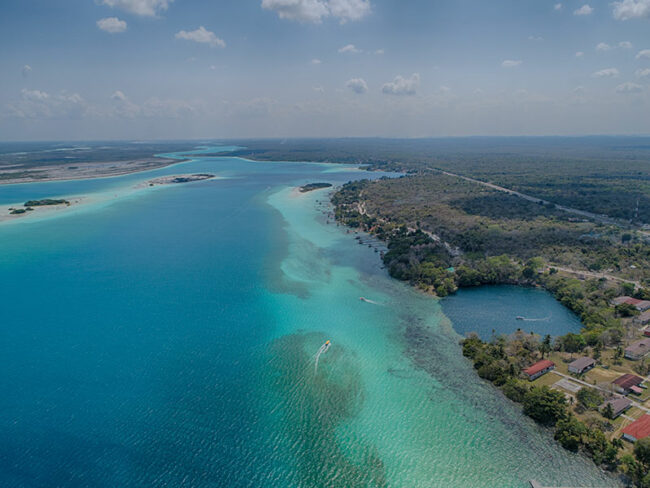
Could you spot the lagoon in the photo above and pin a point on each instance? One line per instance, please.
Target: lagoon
(166, 337)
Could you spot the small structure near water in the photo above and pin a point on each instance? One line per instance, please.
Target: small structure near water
(618, 405)
(581, 365)
(639, 429)
(539, 368)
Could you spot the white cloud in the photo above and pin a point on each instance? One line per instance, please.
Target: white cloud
(34, 95)
(357, 85)
(535, 38)
(557, 6)
(379, 51)
(606, 73)
(603, 46)
(629, 87)
(26, 70)
(319, 89)
(631, 9)
(643, 73)
(316, 61)
(112, 25)
(579, 54)
(201, 35)
(317, 10)
(146, 8)
(118, 95)
(350, 48)
(625, 45)
(645, 54)
(511, 63)
(584, 10)
(402, 86)
(37, 104)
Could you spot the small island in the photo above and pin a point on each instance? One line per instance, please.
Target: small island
(46, 201)
(314, 186)
(174, 179)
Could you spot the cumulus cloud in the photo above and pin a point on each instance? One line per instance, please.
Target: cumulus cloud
(112, 25)
(535, 38)
(37, 104)
(402, 86)
(631, 9)
(315, 61)
(557, 6)
(579, 54)
(26, 70)
(584, 10)
(350, 48)
(317, 10)
(644, 54)
(201, 35)
(629, 87)
(379, 51)
(625, 45)
(643, 73)
(511, 63)
(357, 85)
(606, 73)
(603, 46)
(145, 8)
(118, 95)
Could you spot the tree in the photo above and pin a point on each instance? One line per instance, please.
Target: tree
(589, 398)
(569, 432)
(608, 411)
(544, 405)
(545, 346)
(572, 343)
(642, 451)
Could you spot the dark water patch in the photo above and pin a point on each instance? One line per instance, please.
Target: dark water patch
(489, 310)
(313, 403)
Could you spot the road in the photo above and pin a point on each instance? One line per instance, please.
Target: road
(584, 383)
(597, 217)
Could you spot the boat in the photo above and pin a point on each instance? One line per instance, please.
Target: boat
(519, 317)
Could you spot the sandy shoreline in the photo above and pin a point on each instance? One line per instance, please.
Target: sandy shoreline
(76, 201)
(85, 171)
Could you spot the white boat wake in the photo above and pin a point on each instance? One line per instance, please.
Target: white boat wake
(323, 349)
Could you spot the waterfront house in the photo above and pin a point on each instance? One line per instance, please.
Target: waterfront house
(639, 429)
(539, 368)
(627, 383)
(581, 365)
(638, 349)
(619, 405)
(640, 305)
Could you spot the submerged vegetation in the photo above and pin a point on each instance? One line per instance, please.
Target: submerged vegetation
(46, 201)
(314, 186)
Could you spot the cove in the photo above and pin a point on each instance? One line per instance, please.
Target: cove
(487, 309)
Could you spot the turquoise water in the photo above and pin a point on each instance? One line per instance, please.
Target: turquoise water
(495, 308)
(166, 337)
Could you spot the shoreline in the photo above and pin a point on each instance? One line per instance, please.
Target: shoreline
(92, 171)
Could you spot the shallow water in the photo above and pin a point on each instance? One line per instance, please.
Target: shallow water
(167, 338)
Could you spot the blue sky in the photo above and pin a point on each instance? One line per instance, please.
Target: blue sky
(104, 69)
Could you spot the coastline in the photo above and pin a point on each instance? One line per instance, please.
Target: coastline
(91, 170)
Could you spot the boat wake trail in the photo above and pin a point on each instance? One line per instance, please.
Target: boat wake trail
(536, 320)
(363, 299)
(323, 349)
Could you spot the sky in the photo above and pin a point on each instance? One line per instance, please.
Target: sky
(178, 69)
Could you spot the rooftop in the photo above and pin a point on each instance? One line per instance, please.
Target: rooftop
(639, 428)
(639, 347)
(582, 362)
(539, 366)
(628, 380)
(618, 404)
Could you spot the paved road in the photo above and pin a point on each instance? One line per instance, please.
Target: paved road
(596, 275)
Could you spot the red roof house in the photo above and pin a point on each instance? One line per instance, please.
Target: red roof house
(638, 429)
(623, 384)
(539, 368)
